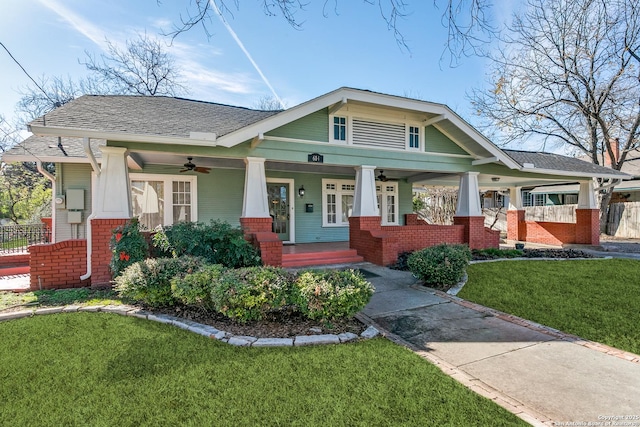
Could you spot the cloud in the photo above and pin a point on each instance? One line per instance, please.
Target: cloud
(83, 26)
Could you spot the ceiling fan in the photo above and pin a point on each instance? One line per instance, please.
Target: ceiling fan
(382, 177)
(190, 166)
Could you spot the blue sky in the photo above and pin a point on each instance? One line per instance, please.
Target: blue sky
(346, 46)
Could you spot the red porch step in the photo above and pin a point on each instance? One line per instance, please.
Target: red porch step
(13, 270)
(307, 259)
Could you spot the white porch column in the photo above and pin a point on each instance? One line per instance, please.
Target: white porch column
(365, 201)
(515, 198)
(113, 195)
(586, 196)
(469, 196)
(255, 204)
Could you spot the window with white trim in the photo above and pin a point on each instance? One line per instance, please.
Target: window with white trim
(414, 138)
(163, 199)
(337, 202)
(339, 129)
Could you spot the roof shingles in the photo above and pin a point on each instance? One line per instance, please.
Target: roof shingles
(151, 115)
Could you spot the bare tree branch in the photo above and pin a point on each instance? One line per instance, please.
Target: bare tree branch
(143, 68)
(467, 22)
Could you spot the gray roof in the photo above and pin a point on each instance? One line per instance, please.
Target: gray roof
(151, 115)
(46, 147)
(550, 161)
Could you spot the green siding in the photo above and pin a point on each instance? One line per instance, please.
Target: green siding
(309, 227)
(219, 193)
(405, 202)
(72, 176)
(314, 127)
(436, 142)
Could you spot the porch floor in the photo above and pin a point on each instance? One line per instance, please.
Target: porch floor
(313, 254)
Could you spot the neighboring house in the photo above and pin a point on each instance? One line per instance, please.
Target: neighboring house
(337, 168)
(566, 194)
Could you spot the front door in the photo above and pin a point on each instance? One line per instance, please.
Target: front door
(279, 194)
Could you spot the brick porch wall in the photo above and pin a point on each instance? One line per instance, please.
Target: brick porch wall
(381, 244)
(101, 232)
(258, 232)
(586, 229)
(58, 265)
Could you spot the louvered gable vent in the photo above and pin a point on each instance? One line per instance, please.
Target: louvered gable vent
(376, 134)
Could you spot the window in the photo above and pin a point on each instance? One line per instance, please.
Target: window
(338, 202)
(163, 199)
(340, 128)
(414, 137)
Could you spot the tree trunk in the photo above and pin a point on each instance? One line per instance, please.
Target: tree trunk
(604, 209)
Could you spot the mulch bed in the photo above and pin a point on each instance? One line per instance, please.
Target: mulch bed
(283, 324)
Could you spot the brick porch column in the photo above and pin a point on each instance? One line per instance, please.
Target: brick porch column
(255, 221)
(587, 215)
(101, 232)
(111, 209)
(469, 211)
(516, 225)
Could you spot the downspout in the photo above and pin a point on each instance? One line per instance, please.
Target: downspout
(53, 196)
(96, 168)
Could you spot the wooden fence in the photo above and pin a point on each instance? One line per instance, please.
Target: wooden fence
(624, 220)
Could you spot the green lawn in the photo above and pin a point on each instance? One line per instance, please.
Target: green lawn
(84, 296)
(598, 300)
(102, 369)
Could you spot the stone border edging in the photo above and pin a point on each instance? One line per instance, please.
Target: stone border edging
(199, 328)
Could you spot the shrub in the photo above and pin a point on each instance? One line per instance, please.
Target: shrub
(495, 253)
(441, 266)
(218, 242)
(332, 294)
(195, 288)
(128, 246)
(250, 293)
(149, 281)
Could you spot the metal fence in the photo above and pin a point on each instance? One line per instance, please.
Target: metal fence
(17, 238)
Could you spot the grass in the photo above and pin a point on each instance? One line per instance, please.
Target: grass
(102, 369)
(595, 299)
(84, 296)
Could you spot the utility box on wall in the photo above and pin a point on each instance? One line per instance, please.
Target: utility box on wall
(75, 199)
(74, 217)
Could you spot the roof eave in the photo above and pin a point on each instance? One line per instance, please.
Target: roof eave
(118, 136)
(576, 174)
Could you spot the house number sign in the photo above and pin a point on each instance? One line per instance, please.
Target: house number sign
(315, 158)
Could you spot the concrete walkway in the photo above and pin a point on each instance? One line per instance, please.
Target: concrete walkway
(541, 375)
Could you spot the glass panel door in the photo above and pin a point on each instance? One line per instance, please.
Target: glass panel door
(278, 195)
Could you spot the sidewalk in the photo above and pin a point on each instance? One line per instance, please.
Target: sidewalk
(541, 375)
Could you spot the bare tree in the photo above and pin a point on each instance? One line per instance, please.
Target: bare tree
(142, 68)
(468, 26)
(268, 103)
(9, 134)
(53, 92)
(564, 76)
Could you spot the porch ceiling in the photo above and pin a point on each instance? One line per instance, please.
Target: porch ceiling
(415, 177)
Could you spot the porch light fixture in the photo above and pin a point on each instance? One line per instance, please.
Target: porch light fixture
(301, 191)
(495, 179)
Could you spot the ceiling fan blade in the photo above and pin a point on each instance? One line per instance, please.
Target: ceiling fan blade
(185, 170)
(201, 169)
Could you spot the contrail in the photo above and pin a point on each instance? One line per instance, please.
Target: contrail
(246, 52)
